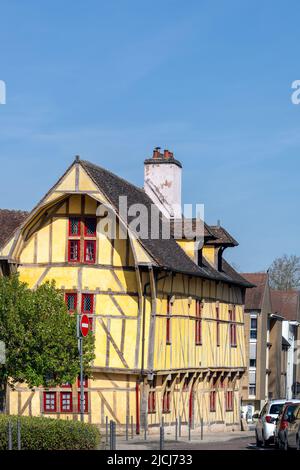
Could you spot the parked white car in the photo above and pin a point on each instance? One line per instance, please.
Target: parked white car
(266, 422)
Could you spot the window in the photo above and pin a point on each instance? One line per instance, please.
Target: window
(71, 301)
(212, 400)
(252, 362)
(253, 328)
(90, 227)
(74, 227)
(198, 323)
(66, 402)
(50, 402)
(74, 251)
(218, 325)
(232, 319)
(82, 240)
(66, 385)
(89, 251)
(85, 381)
(151, 402)
(87, 303)
(85, 402)
(229, 400)
(168, 321)
(166, 401)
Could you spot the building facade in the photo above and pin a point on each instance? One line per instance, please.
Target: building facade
(271, 333)
(167, 315)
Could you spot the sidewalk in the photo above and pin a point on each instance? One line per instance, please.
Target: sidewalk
(152, 442)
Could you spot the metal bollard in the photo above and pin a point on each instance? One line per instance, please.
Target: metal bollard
(189, 424)
(179, 427)
(201, 423)
(176, 429)
(106, 432)
(114, 436)
(145, 427)
(9, 431)
(126, 429)
(19, 434)
(131, 427)
(111, 435)
(161, 438)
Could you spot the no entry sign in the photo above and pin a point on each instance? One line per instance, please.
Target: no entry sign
(84, 325)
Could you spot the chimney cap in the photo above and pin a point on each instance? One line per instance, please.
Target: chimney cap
(77, 158)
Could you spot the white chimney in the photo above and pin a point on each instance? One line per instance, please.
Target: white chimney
(162, 182)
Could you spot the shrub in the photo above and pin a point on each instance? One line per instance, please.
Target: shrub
(49, 434)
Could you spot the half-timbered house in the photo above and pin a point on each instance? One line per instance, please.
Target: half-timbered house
(168, 318)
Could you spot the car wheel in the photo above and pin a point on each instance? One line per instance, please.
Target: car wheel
(258, 442)
(276, 444)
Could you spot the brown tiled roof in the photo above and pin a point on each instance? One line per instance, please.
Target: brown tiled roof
(9, 221)
(165, 252)
(221, 236)
(286, 304)
(254, 297)
(187, 227)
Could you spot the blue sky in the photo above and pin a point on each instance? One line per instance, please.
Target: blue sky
(211, 81)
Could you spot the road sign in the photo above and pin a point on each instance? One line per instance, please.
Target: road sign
(84, 325)
(2, 352)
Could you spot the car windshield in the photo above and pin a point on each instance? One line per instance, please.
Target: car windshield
(276, 408)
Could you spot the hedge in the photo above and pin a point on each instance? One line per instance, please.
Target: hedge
(49, 434)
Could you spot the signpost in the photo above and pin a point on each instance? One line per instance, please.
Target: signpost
(83, 323)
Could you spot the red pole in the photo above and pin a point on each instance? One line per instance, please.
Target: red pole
(137, 391)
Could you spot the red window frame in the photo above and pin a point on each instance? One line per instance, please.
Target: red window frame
(93, 242)
(198, 323)
(85, 227)
(70, 227)
(151, 401)
(66, 385)
(69, 294)
(70, 407)
(232, 319)
(218, 325)
(85, 381)
(77, 241)
(168, 321)
(86, 402)
(166, 401)
(46, 410)
(212, 400)
(229, 400)
(88, 312)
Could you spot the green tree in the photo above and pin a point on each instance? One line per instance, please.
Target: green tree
(39, 335)
(284, 273)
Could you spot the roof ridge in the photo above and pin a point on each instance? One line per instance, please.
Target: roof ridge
(98, 167)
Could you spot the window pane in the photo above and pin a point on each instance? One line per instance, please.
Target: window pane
(74, 250)
(74, 227)
(254, 323)
(87, 303)
(253, 334)
(90, 250)
(90, 226)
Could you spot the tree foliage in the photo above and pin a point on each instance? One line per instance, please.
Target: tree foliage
(284, 273)
(39, 335)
